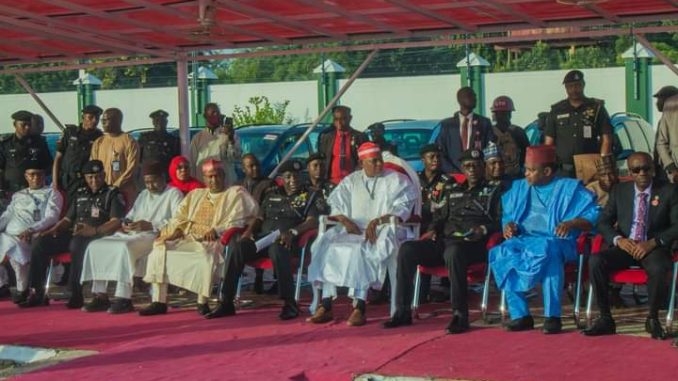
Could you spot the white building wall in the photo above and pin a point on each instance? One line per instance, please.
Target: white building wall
(63, 104)
(660, 76)
(137, 104)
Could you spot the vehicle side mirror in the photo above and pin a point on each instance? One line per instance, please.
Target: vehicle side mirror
(624, 154)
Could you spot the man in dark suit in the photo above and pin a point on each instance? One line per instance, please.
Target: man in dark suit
(465, 130)
(339, 144)
(642, 236)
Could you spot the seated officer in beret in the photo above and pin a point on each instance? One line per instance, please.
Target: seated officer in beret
(292, 211)
(158, 145)
(96, 212)
(459, 232)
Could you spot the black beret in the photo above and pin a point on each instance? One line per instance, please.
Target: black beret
(315, 156)
(429, 148)
(159, 114)
(22, 115)
(666, 91)
(290, 166)
(471, 154)
(92, 109)
(93, 166)
(573, 76)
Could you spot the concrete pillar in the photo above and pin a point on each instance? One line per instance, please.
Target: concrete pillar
(473, 75)
(86, 85)
(637, 61)
(328, 75)
(200, 95)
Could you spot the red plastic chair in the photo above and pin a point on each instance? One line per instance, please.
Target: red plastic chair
(636, 277)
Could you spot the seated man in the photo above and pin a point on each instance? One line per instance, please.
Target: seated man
(122, 256)
(96, 213)
(356, 252)
(31, 211)
(290, 210)
(188, 250)
(606, 178)
(460, 229)
(542, 217)
(316, 183)
(495, 170)
(641, 221)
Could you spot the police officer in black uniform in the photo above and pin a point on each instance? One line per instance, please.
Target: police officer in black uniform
(316, 183)
(96, 212)
(577, 125)
(73, 151)
(290, 210)
(462, 227)
(159, 145)
(17, 151)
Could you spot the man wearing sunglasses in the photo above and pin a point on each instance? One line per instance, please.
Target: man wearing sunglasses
(642, 236)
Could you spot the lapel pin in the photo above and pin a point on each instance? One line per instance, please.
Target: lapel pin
(655, 201)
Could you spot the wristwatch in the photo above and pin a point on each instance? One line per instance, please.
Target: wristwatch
(294, 232)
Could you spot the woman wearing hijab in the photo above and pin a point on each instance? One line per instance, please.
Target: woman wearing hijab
(180, 175)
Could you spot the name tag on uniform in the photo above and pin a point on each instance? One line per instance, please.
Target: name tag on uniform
(36, 215)
(115, 165)
(588, 132)
(562, 116)
(95, 212)
(275, 199)
(456, 195)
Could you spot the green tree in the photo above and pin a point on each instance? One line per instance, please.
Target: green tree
(590, 56)
(540, 57)
(261, 111)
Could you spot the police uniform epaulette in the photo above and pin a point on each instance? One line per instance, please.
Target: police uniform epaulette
(559, 103)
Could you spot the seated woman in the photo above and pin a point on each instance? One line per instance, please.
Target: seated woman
(180, 175)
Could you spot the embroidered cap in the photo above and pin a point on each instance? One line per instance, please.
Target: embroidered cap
(211, 165)
(92, 166)
(368, 150)
(492, 151)
(540, 155)
(153, 168)
(605, 163)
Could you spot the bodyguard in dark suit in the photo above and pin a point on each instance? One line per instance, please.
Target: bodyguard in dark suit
(641, 221)
(339, 144)
(465, 130)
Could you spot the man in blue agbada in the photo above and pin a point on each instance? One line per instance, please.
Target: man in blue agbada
(542, 216)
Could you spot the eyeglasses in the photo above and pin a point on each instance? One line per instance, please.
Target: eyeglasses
(637, 170)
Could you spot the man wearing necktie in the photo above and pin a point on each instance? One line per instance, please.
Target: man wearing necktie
(642, 236)
(339, 144)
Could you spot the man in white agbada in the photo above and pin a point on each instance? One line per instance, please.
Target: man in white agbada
(356, 252)
(31, 211)
(188, 250)
(217, 142)
(122, 256)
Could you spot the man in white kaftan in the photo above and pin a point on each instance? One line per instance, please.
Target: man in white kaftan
(122, 256)
(217, 142)
(356, 252)
(31, 211)
(188, 250)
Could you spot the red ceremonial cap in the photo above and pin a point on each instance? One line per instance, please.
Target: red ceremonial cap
(368, 150)
(540, 155)
(211, 164)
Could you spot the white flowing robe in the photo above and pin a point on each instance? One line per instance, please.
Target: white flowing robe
(18, 217)
(189, 263)
(348, 260)
(122, 256)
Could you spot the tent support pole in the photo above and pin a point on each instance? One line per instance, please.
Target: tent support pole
(182, 96)
(39, 101)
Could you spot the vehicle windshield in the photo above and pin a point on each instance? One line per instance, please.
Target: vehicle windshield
(258, 143)
(409, 141)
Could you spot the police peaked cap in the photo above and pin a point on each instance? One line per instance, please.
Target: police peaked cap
(666, 91)
(471, 154)
(92, 166)
(159, 114)
(22, 115)
(92, 109)
(573, 76)
(290, 166)
(315, 156)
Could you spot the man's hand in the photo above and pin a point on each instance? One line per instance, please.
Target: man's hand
(84, 230)
(286, 239)
(177, 234)
(26, 236)
(510, 230)
(478, 234)
(53, 231)
(210, 236)
(137, 226)
(351, 227)
(673, 176)
(371, 231)
(563, 229)
(247, 234)
(644, 248)
(627, 245)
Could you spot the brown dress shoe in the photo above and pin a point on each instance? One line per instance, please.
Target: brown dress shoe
(320, 316)
(356, 319)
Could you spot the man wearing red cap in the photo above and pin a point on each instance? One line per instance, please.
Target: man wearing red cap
(511, 140)
(541, 217)
(188, 250)
(356, 252)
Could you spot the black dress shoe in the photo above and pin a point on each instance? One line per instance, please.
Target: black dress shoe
(5, 292)
(289, 311)
(654, 328)
(75, 303)
(20, 297)
(523, 324)
(458, 324)
(97, 304)
(224, 309)
(604, 325)
(154, 308)
(399, 319)
(552, 325)
(121, 306)
(203, 309)
(675, 343)
(34, 300)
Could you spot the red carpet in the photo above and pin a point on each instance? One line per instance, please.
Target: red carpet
(255, 346)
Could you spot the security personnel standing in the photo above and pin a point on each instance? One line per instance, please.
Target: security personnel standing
(19, 150)
(290, 210)
(73, 150)
(577, 125)
(462, 228)
(319, 186)
(96, 212)
(159, 145)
